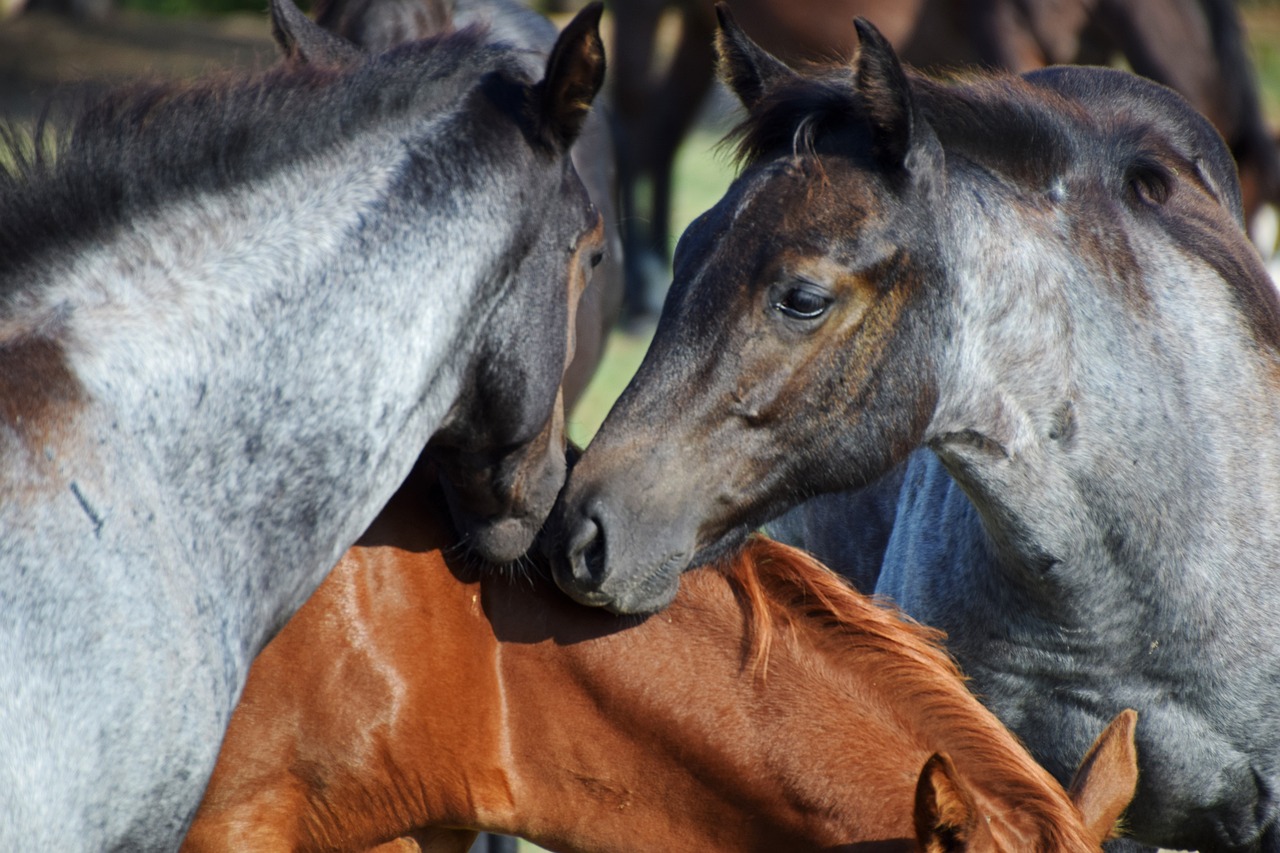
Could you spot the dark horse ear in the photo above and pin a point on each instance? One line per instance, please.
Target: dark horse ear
(575, 72)
(885, 93)
(746, 68)
(305, 42)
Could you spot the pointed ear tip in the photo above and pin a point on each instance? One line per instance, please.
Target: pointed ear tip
(725, 20)
(867, 31)
(1124, 724)
(937, 763)
(588, 17)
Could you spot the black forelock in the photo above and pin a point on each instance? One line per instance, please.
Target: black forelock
(106, 160)
(993, 120)
(797, 117)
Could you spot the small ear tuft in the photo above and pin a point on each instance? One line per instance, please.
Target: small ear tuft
(575, 73)
(886, 94)
(1107, 778)
(944, 811)
(304, 42)
(746, 68)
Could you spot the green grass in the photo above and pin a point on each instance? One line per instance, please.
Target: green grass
(702, 174)
(1262, 32)
(622, 355)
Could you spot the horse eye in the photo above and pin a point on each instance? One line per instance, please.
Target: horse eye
(596, 258)
(1149, 183)
(803, 303)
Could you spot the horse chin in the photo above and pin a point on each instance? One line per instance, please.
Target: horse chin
(501, 541)
(625, 595)
(648, 594)
(654, 595)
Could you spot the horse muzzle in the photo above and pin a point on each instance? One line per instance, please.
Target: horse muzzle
(592, 568)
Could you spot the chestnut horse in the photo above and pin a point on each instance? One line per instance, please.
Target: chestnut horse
(770, 708)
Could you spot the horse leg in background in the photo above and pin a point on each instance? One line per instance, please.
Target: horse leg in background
(1004, 37)
(683, 92)
(652, 118)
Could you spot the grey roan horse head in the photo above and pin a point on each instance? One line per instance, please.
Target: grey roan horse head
(1039, 285)
(232, 314)
(381, 24)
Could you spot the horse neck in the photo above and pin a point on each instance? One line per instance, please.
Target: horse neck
(1094, 430)
(207, 338)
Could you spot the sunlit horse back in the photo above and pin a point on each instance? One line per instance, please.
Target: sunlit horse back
(1042, 281)
(233, 314)
(771, 708)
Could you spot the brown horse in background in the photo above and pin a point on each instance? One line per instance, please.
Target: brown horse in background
(769, 708)
(1195, 47)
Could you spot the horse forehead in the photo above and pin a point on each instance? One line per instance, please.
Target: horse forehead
(800, 206)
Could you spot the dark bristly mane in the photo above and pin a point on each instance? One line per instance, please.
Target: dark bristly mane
(788, 593)
(132, 151)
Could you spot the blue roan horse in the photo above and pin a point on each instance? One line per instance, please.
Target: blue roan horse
(233, 315)
(1043, 284)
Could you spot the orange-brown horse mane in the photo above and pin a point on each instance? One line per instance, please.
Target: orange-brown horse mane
(787, 594)
(784, 588)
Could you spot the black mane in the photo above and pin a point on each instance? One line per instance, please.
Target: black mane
(133, 150)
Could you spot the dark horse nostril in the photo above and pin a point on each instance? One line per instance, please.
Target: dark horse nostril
(586, 552)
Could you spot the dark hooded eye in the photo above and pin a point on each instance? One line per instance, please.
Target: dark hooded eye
(803, 303)
(1149, 182)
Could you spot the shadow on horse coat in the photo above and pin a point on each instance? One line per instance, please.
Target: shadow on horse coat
(232, 313)
(1041, 287)
(770, 708)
